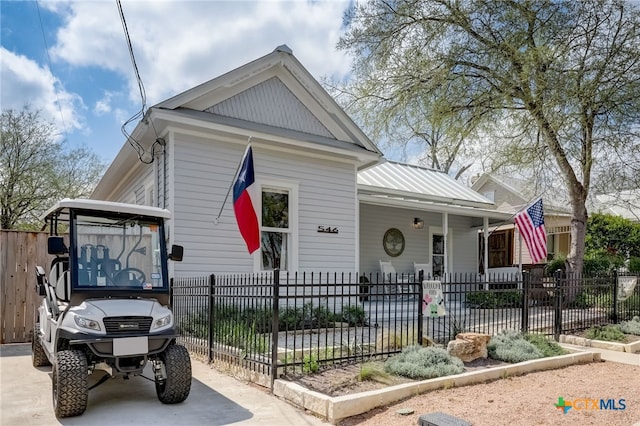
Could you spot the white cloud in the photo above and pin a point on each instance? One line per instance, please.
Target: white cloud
(178, 45)
(103, 106)
(24, 82)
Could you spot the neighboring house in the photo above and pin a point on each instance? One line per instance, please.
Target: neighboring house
(332, 197)
(625, 204)
(512, 195)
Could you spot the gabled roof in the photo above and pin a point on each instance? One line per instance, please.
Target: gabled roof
(274, 90)
(520, 190)
(273, 99)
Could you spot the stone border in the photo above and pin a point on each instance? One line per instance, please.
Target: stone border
(632, 347)
(334, 409)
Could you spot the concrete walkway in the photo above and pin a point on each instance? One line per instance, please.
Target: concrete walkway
(215, 399)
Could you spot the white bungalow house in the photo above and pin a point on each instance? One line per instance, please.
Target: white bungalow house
(335, 204)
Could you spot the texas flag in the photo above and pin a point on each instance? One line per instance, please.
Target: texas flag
(243, 205)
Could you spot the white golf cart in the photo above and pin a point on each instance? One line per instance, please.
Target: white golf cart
(106, 302)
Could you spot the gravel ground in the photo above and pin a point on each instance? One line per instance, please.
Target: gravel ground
(527, 400)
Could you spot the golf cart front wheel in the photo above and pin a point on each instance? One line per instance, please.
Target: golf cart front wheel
(70, 383)
(176, 385)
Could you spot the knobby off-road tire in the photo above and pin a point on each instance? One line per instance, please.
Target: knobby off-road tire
(175, 388)
(38, 355)
(70, 383)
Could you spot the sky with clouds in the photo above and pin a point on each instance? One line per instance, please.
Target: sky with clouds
(70, 59)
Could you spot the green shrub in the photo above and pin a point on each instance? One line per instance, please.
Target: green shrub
(511, 346)
(193, 325)
(310, 364)
(559, 262)
(545, 346)
(583, 300)
(423, 363)
(354, 316)
(487, 299)
(259, 318)
(600, 261)
(631, 327)
(609, 333)
(372, 372)
(318, 316)
(239, 335)
(290, 318)
(634, 264)
(632, 304)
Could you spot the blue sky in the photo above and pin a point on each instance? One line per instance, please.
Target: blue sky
(70, 59)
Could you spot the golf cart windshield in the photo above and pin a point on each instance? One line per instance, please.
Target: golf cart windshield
(118, 252)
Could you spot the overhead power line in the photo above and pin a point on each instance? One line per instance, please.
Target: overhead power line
(139, 114)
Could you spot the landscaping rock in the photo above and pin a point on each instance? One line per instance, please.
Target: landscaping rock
(469, 346)
(405, 411)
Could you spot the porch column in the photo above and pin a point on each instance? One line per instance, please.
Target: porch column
(485, 255)
(445, 232)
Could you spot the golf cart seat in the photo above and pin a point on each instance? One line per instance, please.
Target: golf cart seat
(58, 266)
(63, 287)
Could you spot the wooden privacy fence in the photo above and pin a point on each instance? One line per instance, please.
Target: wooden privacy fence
(20, 252)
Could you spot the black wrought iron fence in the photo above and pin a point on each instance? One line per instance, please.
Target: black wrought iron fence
(280, 324)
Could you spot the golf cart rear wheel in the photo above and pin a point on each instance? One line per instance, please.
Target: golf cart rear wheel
(177, 384)
(70, 383)
(38, 356)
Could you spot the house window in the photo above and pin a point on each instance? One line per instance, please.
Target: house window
(276, 229)
(437, 257)
(551, 246)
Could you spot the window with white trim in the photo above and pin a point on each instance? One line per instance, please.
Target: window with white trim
(437, 256)
(276, 232)
(437, 250)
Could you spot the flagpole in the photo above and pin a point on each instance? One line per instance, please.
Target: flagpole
(235, 175)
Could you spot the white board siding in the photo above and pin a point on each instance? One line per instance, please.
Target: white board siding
(142, 177)
(376, 220)
(204, 170)
(272, 103)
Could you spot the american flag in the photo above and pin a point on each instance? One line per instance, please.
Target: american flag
(530, 222)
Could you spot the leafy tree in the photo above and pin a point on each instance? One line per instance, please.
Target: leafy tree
(563, 75)
(613, 235)
(35, 170)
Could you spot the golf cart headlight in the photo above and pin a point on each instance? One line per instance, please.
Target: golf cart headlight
(87, 323)
(162, 322)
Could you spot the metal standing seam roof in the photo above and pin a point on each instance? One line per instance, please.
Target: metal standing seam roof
(419, 182)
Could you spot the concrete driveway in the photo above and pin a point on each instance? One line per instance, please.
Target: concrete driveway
(215, 399)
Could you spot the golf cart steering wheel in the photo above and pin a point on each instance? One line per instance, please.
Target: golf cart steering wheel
(123, 277)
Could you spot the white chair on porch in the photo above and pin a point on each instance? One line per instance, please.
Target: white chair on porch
(391, 279)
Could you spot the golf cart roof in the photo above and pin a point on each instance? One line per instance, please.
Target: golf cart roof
(61, 208)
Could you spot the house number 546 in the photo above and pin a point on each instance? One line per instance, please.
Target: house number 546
(328, 229)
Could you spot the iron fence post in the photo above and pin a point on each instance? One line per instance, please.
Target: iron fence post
(420, 313)
(524, 321)
(614, 315)
(557, 292)
(210, 303)
(275, 326)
